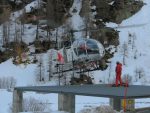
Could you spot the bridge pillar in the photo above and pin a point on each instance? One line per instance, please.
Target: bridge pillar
(115, 103)
(66, 102)
(17, 101)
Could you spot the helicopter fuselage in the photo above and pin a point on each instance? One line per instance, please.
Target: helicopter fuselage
(84, 50)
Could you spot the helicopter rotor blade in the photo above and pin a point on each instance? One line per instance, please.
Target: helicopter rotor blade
(85, 29)
(117, 27)
(129, 26)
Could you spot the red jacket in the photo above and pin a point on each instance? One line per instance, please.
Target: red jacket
(118, 68)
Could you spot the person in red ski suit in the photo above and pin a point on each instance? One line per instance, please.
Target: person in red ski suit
(118, 73)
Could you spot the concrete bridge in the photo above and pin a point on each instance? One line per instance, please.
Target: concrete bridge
(66, 94)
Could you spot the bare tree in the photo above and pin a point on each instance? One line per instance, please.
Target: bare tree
(34, 105)
(37, 22)
(40, 70)
(56, 45)
(139, 73)
(22, 22)
(18, 31)
(48, 34)
(6, 25)
(110, 66)
(127, 78)
(99, 109)
(37, 30)
(7, 82)
(132, 38)
(6, 33)
(12, 82)
(135, 54)
(50, 64)
(133, 42)
(129, 38)
(124, 52)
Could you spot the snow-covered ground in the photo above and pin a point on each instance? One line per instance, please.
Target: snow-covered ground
(138, 46)
(6, 100)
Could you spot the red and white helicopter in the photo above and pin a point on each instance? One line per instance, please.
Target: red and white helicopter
(82, 53)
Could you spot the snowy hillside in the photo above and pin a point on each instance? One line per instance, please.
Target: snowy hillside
(134, 43)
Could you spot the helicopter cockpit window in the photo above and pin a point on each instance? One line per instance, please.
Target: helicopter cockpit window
(92, 47)
(81, 48)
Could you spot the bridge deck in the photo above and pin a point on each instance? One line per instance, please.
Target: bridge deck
(102, 90)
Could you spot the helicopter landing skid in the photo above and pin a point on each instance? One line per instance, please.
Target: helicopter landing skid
(77, 67)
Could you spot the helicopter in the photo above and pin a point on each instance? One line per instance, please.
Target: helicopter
(79, 54)
(82, 54)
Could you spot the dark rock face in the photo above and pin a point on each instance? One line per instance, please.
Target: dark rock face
(116, 10)
(112, 11)
(107, 36)
(4, 11)
(102, 9)
(57, 11)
